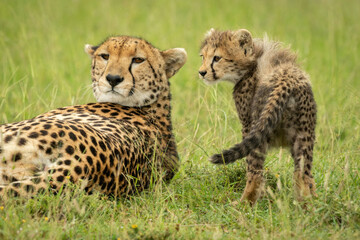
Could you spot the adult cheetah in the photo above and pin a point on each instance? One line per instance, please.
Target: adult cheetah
(114, 145)
(274, 101)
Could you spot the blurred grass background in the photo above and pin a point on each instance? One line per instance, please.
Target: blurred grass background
(43, 66)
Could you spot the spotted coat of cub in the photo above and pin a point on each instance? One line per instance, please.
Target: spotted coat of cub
(114, 145)
(274, 101)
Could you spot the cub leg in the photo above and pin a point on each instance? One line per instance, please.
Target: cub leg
(302, 153)
(255, 179)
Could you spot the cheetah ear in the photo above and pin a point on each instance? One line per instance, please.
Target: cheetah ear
(209, 33)
(90, 49)
(244, 38)
(174, 59)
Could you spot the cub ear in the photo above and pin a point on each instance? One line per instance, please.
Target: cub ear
(90, 49)
(244, 38)
(174, 59)
(209, 33)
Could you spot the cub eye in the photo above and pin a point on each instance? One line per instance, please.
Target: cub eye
(104, 56)
(138, 60)
(217, 58)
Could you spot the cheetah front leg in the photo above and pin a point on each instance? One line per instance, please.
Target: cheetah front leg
(255, 180)
(25, 188)
(51, 180)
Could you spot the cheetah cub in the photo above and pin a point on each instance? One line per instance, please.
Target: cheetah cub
(274, 101)
(112, 146)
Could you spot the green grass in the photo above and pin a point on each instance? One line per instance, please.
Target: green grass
(42, 66)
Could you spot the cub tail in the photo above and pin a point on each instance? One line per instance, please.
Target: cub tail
(261, 130)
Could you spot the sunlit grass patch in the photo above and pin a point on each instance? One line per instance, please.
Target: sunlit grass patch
(43, 66)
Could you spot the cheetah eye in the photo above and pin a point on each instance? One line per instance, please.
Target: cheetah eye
(217, 58)
(105, 56)
(138, 60)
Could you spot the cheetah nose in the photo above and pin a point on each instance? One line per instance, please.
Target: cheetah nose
(202, 73)
(114, 79)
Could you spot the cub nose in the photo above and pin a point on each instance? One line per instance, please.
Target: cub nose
(202, 73)
(114, 79)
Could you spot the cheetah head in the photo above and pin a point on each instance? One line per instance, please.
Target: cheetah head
(130, 71)
(226, 56)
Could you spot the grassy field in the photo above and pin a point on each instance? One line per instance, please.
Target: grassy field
(43, 66)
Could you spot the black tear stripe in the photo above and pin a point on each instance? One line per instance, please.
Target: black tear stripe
(131, 92)
(103, 72)
(152, 69)
(93, 67)
(213, 70)
(212, 67)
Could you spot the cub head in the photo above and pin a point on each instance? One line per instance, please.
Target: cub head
(130, 71)
(226, 56)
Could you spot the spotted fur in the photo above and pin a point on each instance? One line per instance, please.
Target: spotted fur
(274, 101)
(112, 146)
